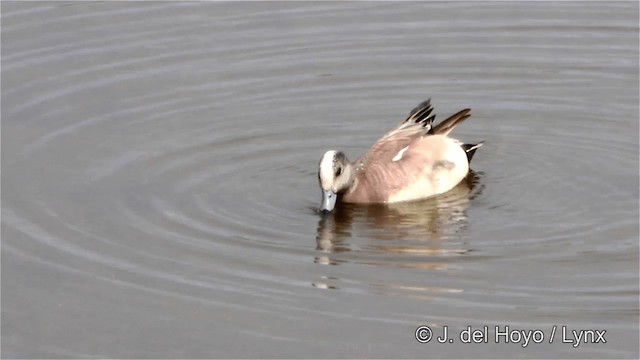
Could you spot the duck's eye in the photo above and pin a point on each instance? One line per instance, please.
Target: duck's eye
(339, 171)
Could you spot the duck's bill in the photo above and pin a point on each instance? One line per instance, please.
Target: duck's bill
(328, 200)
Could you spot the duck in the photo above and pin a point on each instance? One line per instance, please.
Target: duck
(413, 161)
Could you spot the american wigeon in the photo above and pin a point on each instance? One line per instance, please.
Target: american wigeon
(416, 160)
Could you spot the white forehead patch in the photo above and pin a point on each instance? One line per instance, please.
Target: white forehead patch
(400, 153)
(326, 169)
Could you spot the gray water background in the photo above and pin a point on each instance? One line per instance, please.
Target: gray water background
(159, 178)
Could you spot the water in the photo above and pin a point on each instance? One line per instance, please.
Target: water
(159, 178)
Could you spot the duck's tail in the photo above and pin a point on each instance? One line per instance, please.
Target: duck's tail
(470, 149)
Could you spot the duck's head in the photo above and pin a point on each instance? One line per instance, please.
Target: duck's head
(335, 175)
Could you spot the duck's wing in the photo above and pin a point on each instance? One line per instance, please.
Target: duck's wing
(420, 122)
(446, 126)
(393, 162)
(417, 124)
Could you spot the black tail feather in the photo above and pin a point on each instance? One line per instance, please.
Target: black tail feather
(470, 149)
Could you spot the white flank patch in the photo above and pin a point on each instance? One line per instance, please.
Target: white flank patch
(400, 153)
(326, 169)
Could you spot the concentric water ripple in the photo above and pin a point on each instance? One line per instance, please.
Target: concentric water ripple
(159, 186)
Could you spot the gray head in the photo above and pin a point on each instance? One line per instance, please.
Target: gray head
(335, 175)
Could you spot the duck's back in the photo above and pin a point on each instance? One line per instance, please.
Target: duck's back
(430, 165)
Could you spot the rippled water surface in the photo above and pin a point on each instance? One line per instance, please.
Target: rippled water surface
(159, 186)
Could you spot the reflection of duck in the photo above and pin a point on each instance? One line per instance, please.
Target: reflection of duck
(414, 228)
(414, 161)
(405, 235)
